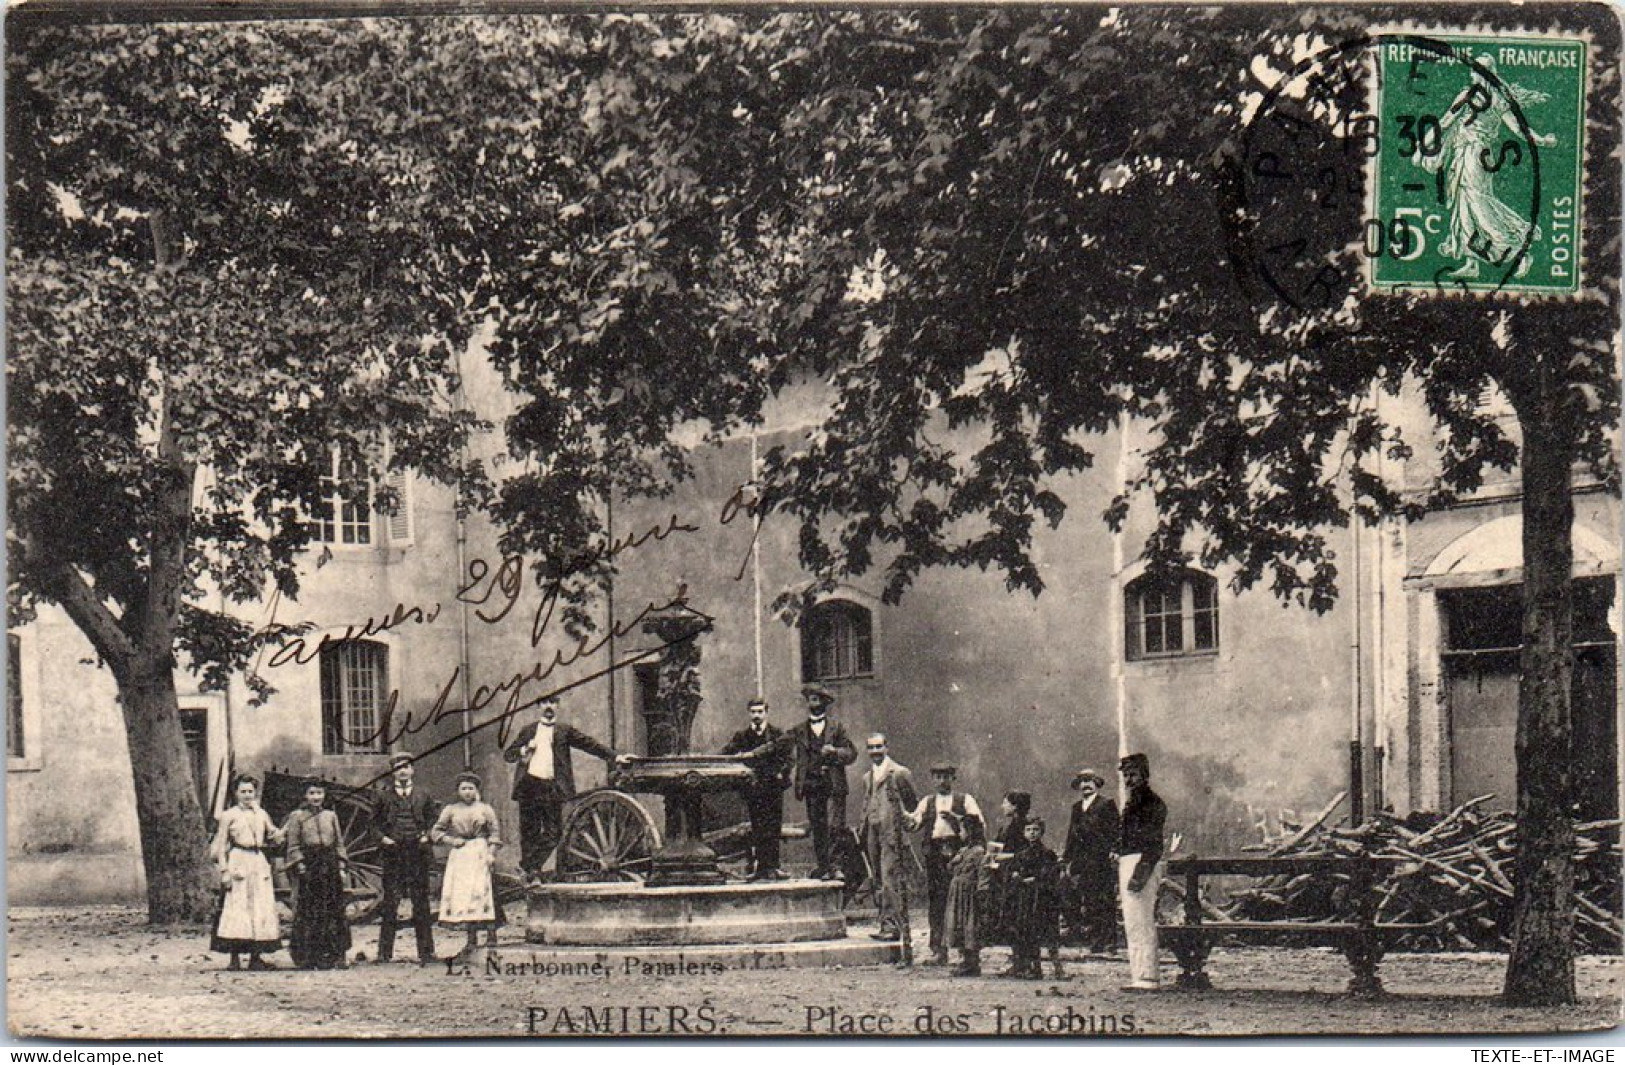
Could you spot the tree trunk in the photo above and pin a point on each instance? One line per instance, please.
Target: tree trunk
(1540, 971)
(174, 843)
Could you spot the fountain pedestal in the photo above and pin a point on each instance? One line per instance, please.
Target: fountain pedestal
(684, 781)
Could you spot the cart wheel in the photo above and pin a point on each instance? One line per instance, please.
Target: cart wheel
(608, 836)
(364, 873)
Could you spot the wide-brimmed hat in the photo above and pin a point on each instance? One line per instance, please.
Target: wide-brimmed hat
(819, 692)
(1090, 775)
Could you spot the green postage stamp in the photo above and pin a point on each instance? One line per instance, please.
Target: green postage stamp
(1477, 184)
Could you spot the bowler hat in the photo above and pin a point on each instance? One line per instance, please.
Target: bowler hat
(1134, 761)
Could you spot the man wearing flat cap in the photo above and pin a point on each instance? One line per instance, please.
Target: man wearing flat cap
(405, 814)
(822, 750)
(943, 820)
(1091, 838)
(1139, 870)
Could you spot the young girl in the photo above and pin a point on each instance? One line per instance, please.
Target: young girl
(967, 898)
(467, 896)
(321, 932)
(247, 922)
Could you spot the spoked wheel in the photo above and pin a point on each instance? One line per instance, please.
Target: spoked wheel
(363, 873)
(609, 836)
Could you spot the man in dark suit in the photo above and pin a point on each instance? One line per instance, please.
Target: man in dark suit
(822, 751)
(543, 780)
(405, 813)
(764, 798)
(1091, 874)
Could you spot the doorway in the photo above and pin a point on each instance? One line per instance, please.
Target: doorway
(1483, 637)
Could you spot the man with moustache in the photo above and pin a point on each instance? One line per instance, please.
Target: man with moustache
(544, 779)
(1139, 870)
(405, 813)
(888, 797)
(942, 818)
(1092, 882)
(822, 750)
(764, 798)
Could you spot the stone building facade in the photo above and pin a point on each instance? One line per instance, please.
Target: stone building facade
(1246, 707)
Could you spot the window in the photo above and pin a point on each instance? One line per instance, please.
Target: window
(355, 678)
(837, 642)
(16, 746)
(344, 513)
(1172, 616)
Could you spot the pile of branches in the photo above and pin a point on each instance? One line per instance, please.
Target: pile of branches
(1451, 875)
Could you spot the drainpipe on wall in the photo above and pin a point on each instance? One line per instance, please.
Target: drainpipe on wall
(609, 612)
(756, 570)
(462, 644)
(1356, 705)
(1115, 613)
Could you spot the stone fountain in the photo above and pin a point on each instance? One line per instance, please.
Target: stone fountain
(686, 899)
(679, 907)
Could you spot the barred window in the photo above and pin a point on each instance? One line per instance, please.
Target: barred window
(837, 642)
(1171, 616)
(355, 678)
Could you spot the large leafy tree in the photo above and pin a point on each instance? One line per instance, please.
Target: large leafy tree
(214, 287)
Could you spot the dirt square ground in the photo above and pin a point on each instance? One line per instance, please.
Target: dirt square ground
(104, 974)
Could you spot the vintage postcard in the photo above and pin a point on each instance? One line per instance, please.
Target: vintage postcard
(811, 521)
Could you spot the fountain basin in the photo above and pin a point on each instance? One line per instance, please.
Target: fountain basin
(629, 914)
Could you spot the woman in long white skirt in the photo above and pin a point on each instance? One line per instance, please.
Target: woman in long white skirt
(247, 923)
(467, 894)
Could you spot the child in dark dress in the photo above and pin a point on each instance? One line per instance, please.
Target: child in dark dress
(1033, 905)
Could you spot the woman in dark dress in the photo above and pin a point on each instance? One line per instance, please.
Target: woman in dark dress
(321, 933)
(1032, 907)
(1011, 839)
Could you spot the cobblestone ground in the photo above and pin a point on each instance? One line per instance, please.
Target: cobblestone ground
(102, 974)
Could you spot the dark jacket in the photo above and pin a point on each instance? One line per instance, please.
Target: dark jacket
(814, 770)
(768, 756)
(1143, 817)
(564, 738)
(1092, 835)
(404, 820)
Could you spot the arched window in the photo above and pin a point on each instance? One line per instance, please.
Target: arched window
(837, 642)
(355, 681)
(1166, 617)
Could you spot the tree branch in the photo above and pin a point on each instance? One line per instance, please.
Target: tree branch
(168, 540)
(90, 613)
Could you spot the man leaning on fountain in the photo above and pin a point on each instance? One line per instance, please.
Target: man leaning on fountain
(543, 780)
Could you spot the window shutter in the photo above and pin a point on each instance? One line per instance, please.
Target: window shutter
(400, 523)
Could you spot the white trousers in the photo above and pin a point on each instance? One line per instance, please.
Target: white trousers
(1139, 919)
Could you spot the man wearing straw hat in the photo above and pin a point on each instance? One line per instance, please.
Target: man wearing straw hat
(1091, 837)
